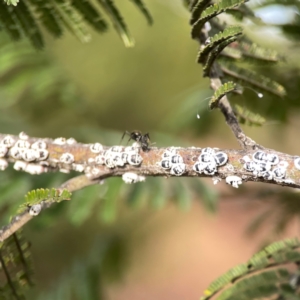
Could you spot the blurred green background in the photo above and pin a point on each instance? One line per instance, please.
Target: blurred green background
(154, 240)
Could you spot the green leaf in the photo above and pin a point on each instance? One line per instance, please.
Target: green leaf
(197, 10)
(37, 196)
(137, 193)
(90, 14)
(158, 195)
(11, 2)
(118, 22)
(252, 78)
(48, 16)
(230, 33)
(84, 202)
(247, 283)
(224, 89)
(183, 193)
(211, 12)
(247, 117)
(207, 195)
(27, 21)
(9, 23)
(141, 6)
(16, 269)
(108, 207)
(213, 55)
(72, 20)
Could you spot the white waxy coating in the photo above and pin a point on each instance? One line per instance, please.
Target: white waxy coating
(3, 150)
(96, 148)
(297, 163)
(234, 181)
(35, 209)
(20, 165)
(35, 169)
(71, 141)
(22, 144)
(8, 141)
(67, 158)
(130, 177)
(60, 141)
(23, 136)
(39, 145)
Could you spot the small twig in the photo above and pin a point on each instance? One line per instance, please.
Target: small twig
(230, 117)
(224, 104)
(74, 184)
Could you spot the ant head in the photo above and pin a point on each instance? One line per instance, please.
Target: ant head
(135, 134)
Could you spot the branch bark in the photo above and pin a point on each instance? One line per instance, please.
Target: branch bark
(65, 155)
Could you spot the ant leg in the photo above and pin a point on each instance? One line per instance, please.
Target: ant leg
(125, 132)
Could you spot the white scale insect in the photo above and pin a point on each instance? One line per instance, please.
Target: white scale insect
(172, 160)
(209, 161)
(67, 158)
(262, 165)
(35, 209)
(96, 148)
(8, 141)
(234, 181)
(130, 177)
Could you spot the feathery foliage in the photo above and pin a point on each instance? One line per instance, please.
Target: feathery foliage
(15, 267)
(221, 92)
(24, 18)
(264, 275)
(247, 117)
(223, 44)
(45, 195)
(252, 78)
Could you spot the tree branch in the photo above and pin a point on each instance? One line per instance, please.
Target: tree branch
(215, 76)
(99, 162)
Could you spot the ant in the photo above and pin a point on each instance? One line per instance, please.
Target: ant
(137, 136)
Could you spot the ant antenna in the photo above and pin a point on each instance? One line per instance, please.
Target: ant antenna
(198, 114)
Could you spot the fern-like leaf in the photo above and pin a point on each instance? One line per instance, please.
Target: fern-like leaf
(143, 9)
(253, 78)
(197, 10)
(251, 52)
(227, 87)
(27, 21)
(90, 14)
(213, 55)
(211, 12)
(254, 279)
(48, 16)
(72, 19)
(118, 22)
(15, 267)
(44, 195)
(8, 23)
(247, 117)
(217, 39)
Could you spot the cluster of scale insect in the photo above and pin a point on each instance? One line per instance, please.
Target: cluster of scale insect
(28, 156)
(172, 161)
(116, 156)
(266, 165)
(209, 160)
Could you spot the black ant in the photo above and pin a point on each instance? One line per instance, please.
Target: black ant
(137, 136)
